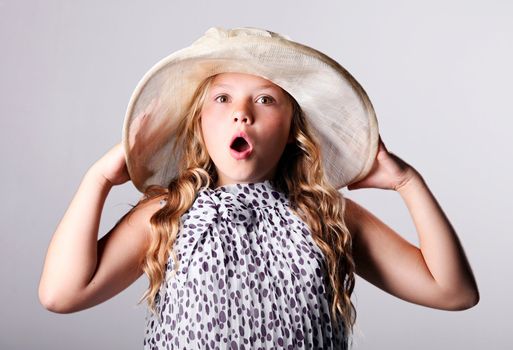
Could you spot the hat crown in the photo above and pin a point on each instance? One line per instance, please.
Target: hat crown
(222, 33)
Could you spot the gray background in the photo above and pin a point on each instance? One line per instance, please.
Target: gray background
(438, 72)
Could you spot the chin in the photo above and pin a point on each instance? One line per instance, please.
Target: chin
(241, 172)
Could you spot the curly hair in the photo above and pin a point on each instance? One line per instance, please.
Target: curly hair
(299, 175)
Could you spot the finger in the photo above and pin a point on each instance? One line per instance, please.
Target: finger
(354, 186)
(382, 143)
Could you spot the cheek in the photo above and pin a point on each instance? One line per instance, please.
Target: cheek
(280, 134)
(205, 125)
(210, 133)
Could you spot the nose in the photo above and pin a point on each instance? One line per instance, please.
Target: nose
(242, 114)
(242, 117)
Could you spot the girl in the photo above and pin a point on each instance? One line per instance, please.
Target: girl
(239, 144)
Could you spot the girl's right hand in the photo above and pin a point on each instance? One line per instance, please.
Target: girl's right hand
(112, 166)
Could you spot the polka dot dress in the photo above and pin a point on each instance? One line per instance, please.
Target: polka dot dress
(250, 277)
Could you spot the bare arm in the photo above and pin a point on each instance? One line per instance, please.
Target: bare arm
(80, 271)
(436, 275)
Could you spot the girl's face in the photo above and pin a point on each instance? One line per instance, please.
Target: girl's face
(243, 104)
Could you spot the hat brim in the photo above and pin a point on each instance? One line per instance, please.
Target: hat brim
(335, 105)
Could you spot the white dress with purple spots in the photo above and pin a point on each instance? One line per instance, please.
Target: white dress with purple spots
(250, 277)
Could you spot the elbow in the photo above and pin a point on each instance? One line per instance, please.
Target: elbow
(53, 302)
(471, 301)
(464, 301)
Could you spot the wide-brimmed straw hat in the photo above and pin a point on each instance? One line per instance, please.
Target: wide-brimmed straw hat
(335, 105)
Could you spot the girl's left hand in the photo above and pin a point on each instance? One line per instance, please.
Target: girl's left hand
(389, 172)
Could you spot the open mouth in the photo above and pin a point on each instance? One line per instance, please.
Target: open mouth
(240, 144)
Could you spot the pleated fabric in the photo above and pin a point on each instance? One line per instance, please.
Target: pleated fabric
(250, 277)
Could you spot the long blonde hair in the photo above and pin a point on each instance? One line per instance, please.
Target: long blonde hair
(299, 175)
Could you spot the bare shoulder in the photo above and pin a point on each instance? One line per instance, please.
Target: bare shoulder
(354, 214)
(366, 228)
(140, 216)
(369, 233)
(131, 233)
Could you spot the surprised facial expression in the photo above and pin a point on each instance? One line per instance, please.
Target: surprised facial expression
(245, 123)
